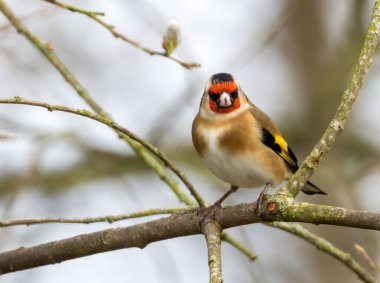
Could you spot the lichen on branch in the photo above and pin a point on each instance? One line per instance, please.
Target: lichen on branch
(339, 120)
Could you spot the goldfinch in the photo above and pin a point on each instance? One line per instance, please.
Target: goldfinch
(238, 142)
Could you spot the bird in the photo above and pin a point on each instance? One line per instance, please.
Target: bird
(239, 143)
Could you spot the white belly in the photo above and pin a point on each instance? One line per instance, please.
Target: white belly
(242, 171)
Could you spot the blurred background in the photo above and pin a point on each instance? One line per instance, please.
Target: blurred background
(293, 59)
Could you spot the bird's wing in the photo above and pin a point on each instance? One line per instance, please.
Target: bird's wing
(271, 137)
(279, 145)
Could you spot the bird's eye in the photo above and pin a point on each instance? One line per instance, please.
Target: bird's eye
(213, 96)
(234, 94)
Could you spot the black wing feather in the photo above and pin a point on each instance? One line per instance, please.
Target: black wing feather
(269, 140)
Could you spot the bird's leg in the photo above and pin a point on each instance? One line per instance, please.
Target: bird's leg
(261, 197)
(205, 212)
(218, 203)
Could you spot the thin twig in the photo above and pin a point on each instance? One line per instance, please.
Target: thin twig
(6, 136)
(48, 51)
(74, 9)
(40, 13)
(107, 121)
(89, 220)
(238, 245)
(116, 34)
(322, 244)
(338, 122)
(363, 253)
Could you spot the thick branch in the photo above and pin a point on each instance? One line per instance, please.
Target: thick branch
(177, 225)
(338, 122)
(211, 230)
(98, 242)
(284, 209)
(140, 235)
(287, 212)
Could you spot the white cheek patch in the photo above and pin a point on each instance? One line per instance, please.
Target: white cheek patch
(225, 100)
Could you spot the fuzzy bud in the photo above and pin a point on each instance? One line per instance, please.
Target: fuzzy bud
(171, 37)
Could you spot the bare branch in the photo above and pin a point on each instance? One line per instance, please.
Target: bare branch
(322, 244)
(116, 34)
(74, 9)
(177, 225)
(233, 242)
(363, 253)
(338, 122)
(49, 53)
(40, 13)
(88, 220)
(120, 129)
(211, 230)
(88, 244)
(280, 208)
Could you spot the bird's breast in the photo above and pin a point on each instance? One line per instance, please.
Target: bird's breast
(233, 151)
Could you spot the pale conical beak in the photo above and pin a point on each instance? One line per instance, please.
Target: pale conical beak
(224, 100)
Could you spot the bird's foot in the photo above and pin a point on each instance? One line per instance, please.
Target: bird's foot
(261, 198)
(208, 212)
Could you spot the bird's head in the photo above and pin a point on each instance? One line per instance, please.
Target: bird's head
(222, 95)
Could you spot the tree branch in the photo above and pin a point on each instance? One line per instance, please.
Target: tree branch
(338, 122)
(361, 251)
(116, 34)
(88, 220)
(211, 230)
(279, 208)
(120, 129)
(177, 225)
(322, 244)
(48, 52)
(232, 241)
(74, 9)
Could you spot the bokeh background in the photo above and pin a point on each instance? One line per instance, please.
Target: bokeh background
(293, 59)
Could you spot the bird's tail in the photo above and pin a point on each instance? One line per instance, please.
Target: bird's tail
(311, 189)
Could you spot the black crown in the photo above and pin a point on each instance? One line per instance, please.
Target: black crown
(221, 77)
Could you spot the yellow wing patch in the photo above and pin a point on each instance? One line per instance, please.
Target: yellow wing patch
(285, 153)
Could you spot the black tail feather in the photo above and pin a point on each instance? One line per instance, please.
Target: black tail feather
(311, 189)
